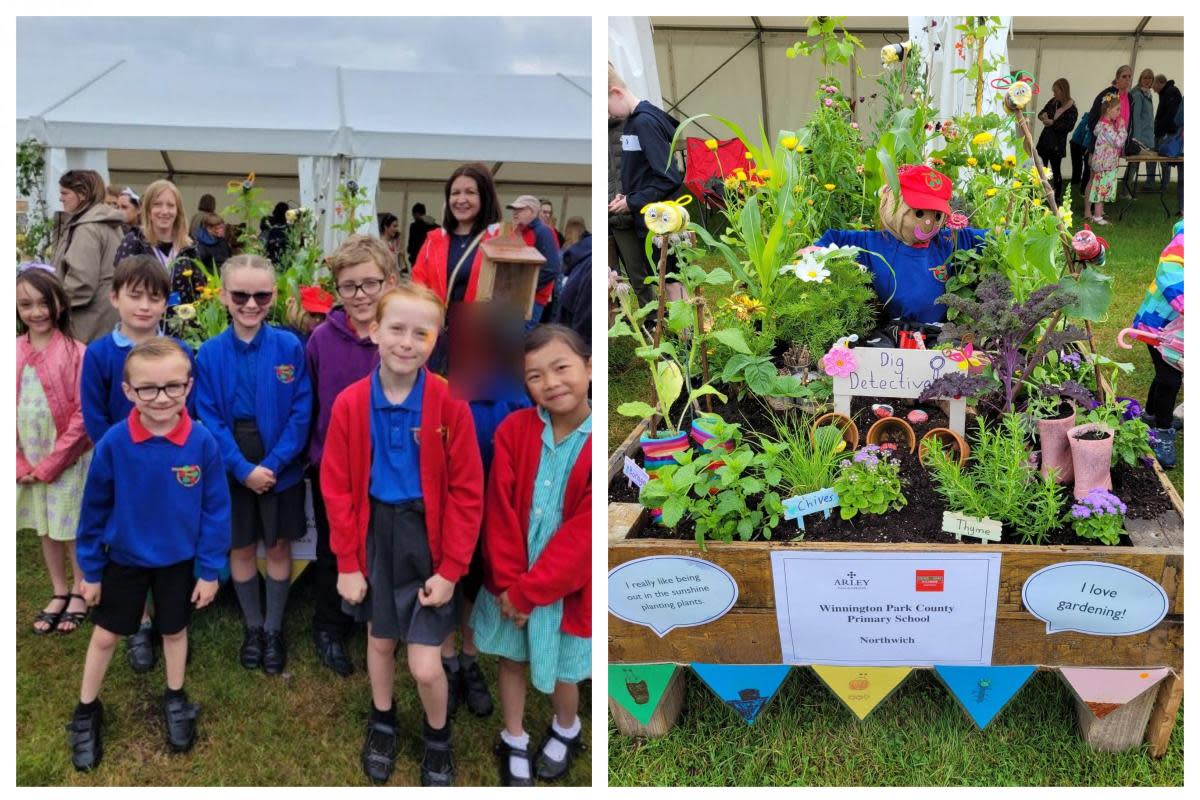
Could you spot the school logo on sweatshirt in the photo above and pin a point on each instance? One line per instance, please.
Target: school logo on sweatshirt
(187, 476)
(286, 373)
(940, 273)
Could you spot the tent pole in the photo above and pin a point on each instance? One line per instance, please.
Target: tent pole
(762, 78)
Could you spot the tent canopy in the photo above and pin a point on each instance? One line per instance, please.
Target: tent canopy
(1065, 26)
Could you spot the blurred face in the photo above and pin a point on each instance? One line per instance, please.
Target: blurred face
(217, 230)
(359, 287)
(406, 334)
(131, 211)
(1147, 80)
(70, 200)
(547, 212)
(139, 310)
(392, 230)
(1059, 95)
(557, 378)
(248, 294)
(34, 310)
(163, 211)
(616, 105)
(110, 200)
(464, 200)
(1124, 79)
(169, 376)
(522, 216)
(1112, 113)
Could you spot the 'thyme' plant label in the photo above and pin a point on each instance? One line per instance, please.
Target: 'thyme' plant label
(668, 592)
(987, 530)
(1095, 598)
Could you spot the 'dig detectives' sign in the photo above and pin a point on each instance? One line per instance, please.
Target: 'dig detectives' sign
(890, 372)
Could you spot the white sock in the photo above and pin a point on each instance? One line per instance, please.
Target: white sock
(556, 750)
(519, 767)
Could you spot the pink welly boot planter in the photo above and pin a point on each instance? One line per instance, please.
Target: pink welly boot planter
(1056, 450)
(1091, 455)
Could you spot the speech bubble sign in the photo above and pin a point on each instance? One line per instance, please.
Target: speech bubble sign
(1094, 598)
(668, 592)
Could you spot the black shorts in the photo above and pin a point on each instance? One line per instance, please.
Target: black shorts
(266, 517)
(123, 594)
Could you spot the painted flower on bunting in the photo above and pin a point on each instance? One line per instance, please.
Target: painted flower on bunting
(982, 138)
(711, 144)
(839, 362)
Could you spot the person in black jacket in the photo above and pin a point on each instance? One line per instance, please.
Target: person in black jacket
(418, 229)
(211, 246)
(575, 305)
(648, 171)
(1059, 116)
(273, 232)
(1169, 100)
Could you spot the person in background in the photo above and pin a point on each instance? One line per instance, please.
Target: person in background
(418, 229)
(211, 247)
(1058, 115)
(1141, 123)
(86, 242)
(573, 231)
(164, 235)
(1081, 140)
(389, 232)
(1167, 122)
(1120, 85)
(537, 234)
(546, 212)
(1106, 151)
(273, 232)
(111, 193)
(575, 302)
(471, 216)
(208, 205)
(131, 206)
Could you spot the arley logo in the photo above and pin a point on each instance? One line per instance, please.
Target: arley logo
(286, 373)
(931, 580)
(851, 581)
(187, 476)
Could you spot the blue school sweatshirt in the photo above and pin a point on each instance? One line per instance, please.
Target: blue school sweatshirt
(153, 501)
(104, 403)
(282, 402)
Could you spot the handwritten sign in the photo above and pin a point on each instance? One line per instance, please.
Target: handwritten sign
(986, 530)
(820, 500)
(890, 372)
(1095, 598)
(668, 592)
(636, 475)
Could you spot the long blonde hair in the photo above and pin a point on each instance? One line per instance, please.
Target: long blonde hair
(179, 229)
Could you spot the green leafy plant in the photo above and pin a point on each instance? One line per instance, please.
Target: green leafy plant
(805, 458)
(249, 206)
(1131, 437)
(350, 198)
(829, 40)
(302, 262)
(34, 231)
(1099, 516)
(869, 483)
(1000, 481)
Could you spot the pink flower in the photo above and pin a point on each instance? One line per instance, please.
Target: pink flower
(828, 101)
(829, 89)
(957, 221)
(855, 126)
(839, 362)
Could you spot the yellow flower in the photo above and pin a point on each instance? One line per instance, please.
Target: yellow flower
(749, 156)
(740, 174)
(1017, 184)
(829, 187)
(765, 174)
(1037, 201)
(1002, 220)
(789, 142)
(796, 189)
(990, 193)
(995, 167)
(1010, 161)
(809, 201)
(972, 161)
(982, 138)
(711, 144)
(187, 273)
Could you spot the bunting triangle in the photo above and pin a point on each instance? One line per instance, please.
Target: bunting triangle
(862, 688)
(1103, 691)
(746, 688)
(639, 687)
(984, 691)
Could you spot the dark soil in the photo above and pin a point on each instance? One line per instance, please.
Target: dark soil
(921, 519)
(1091, 436)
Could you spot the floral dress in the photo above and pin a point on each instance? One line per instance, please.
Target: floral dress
(51, 509)
(1110, 141)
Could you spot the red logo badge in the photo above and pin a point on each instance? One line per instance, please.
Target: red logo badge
(934, 181)
(286, 373)
(931, 580)
(187, 476)
(940, 273)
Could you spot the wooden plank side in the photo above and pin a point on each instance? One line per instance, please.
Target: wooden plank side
(630, 447)
(752, 637)
(1162, 718)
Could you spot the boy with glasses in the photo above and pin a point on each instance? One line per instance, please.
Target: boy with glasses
(253, 394)
(340, 352)
(155, 518)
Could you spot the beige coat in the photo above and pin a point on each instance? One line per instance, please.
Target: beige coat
(84, 255)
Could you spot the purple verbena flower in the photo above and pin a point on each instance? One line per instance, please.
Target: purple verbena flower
(1071, 359)
(1133, 409)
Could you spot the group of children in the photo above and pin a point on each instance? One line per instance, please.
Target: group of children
(199, 459)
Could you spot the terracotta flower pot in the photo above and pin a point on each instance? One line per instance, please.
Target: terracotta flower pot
(1091, 458)
(848, 428)
(890, 427)
(658, 451)
(1056, 450)
(946, 437)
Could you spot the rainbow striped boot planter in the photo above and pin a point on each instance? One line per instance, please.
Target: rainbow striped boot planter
(658, 450)
(703, 437)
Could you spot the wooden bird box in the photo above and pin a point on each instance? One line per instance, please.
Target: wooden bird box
(509, 272)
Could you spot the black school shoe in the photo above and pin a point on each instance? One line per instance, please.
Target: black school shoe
(379, 750)
(181, 721)
(139, 650)
(83, 736)
(454, 688)
(274, 657)
(547, 768)
(504, 751)
(251, 652)
(475, 691)
(331, 652)
(437, 766)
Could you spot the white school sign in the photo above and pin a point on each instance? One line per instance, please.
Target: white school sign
(889, 372)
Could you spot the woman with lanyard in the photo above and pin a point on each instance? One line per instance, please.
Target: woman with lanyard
(164, 235)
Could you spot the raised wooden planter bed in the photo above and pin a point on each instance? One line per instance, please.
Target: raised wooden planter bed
(749, 634)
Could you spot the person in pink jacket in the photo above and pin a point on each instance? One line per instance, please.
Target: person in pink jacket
(52, 445)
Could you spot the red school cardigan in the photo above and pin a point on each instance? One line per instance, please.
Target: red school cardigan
(433, 270)
(564, 569)
(451, 477)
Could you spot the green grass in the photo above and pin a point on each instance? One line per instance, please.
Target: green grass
(304, 728)
(917, 737)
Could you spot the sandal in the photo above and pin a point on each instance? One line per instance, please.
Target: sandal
(1100, 221)
(50, 618)
(72, 618)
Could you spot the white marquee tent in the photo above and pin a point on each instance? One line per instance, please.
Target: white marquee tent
(736, 66)
(302, 130)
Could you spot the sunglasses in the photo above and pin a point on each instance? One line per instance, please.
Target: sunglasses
(260, 298)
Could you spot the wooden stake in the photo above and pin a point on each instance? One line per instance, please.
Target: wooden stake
(703, 349)
(662, 310)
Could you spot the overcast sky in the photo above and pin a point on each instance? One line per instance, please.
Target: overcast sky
(432, 44)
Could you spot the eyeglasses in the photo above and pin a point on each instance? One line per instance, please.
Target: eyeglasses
(369, 287)
(260, 298)
(148, 394)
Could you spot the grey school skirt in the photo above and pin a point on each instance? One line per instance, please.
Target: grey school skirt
(398, 564)
(266, 517)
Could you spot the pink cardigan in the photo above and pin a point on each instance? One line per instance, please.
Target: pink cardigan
(59, 367)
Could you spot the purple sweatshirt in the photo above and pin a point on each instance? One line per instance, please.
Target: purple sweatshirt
(336, 359)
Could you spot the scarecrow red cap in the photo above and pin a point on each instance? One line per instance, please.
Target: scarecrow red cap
(925, 188)
(315, 300)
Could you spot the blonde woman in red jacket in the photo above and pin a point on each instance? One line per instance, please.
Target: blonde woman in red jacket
(537, 606)
(471, 215)
(53, 449)
(403, 486)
